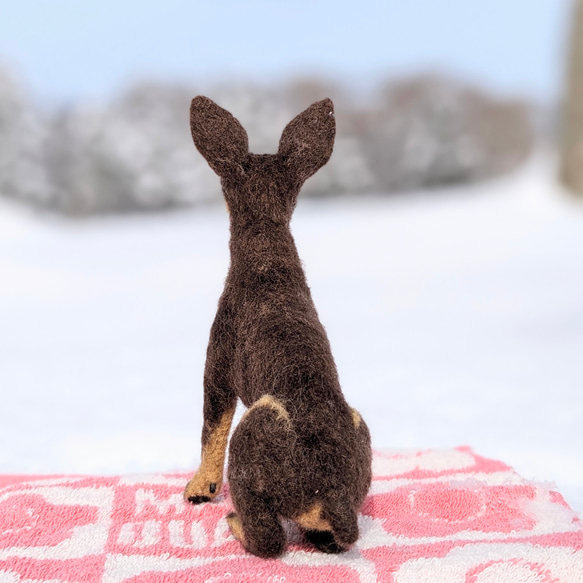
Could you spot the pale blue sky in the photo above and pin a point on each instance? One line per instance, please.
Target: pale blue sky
(68, 49)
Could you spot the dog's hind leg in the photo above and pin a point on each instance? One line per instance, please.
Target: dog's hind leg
(260, 477)
(256, 525)
(342, 535)
(220, 402)
(339, 538)
(329, 532)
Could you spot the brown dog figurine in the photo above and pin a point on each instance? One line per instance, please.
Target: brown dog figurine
(299, 452)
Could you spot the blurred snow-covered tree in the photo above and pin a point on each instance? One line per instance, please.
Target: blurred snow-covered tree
(433, 130)
(24, 131)
(134, 154)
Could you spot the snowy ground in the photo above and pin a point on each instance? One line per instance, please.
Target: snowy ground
(455, 318)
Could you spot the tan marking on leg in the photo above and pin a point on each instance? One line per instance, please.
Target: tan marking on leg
(269, 401)
(236, 527)
(356, 418)
(212, 463)
(312, 519)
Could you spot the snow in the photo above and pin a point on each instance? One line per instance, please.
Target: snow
(456, 318)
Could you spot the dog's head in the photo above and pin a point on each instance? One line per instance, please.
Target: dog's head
(262, 186)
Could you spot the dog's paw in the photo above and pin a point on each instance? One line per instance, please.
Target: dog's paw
(198, 499)
(201, 489)
(324, 541)
(235, 526)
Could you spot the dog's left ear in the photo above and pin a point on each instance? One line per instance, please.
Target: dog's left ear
(218, 136)
(307, 142)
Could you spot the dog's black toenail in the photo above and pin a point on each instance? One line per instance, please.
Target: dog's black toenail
(212, 488)
(198, 499)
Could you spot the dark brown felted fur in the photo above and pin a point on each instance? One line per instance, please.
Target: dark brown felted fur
(300, 452)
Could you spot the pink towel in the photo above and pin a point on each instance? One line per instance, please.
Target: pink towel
(443, 516)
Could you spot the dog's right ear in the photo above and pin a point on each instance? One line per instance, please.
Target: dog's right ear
(307, 141)
(218, 136)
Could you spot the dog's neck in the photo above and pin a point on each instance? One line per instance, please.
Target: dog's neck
(265, 251)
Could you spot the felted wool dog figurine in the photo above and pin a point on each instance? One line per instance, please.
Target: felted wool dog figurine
(299, 452)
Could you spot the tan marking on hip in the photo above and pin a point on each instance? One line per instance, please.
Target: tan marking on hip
(269, 401)
(312, 519)
(356, 418)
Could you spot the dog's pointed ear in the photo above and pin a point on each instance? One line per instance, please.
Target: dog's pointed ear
(307, 141)
(218, 136)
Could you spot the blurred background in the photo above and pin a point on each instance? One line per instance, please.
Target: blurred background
(443, 242)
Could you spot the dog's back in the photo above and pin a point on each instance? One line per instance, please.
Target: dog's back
(300, 452)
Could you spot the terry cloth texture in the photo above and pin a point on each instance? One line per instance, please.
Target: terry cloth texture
(443, 516)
